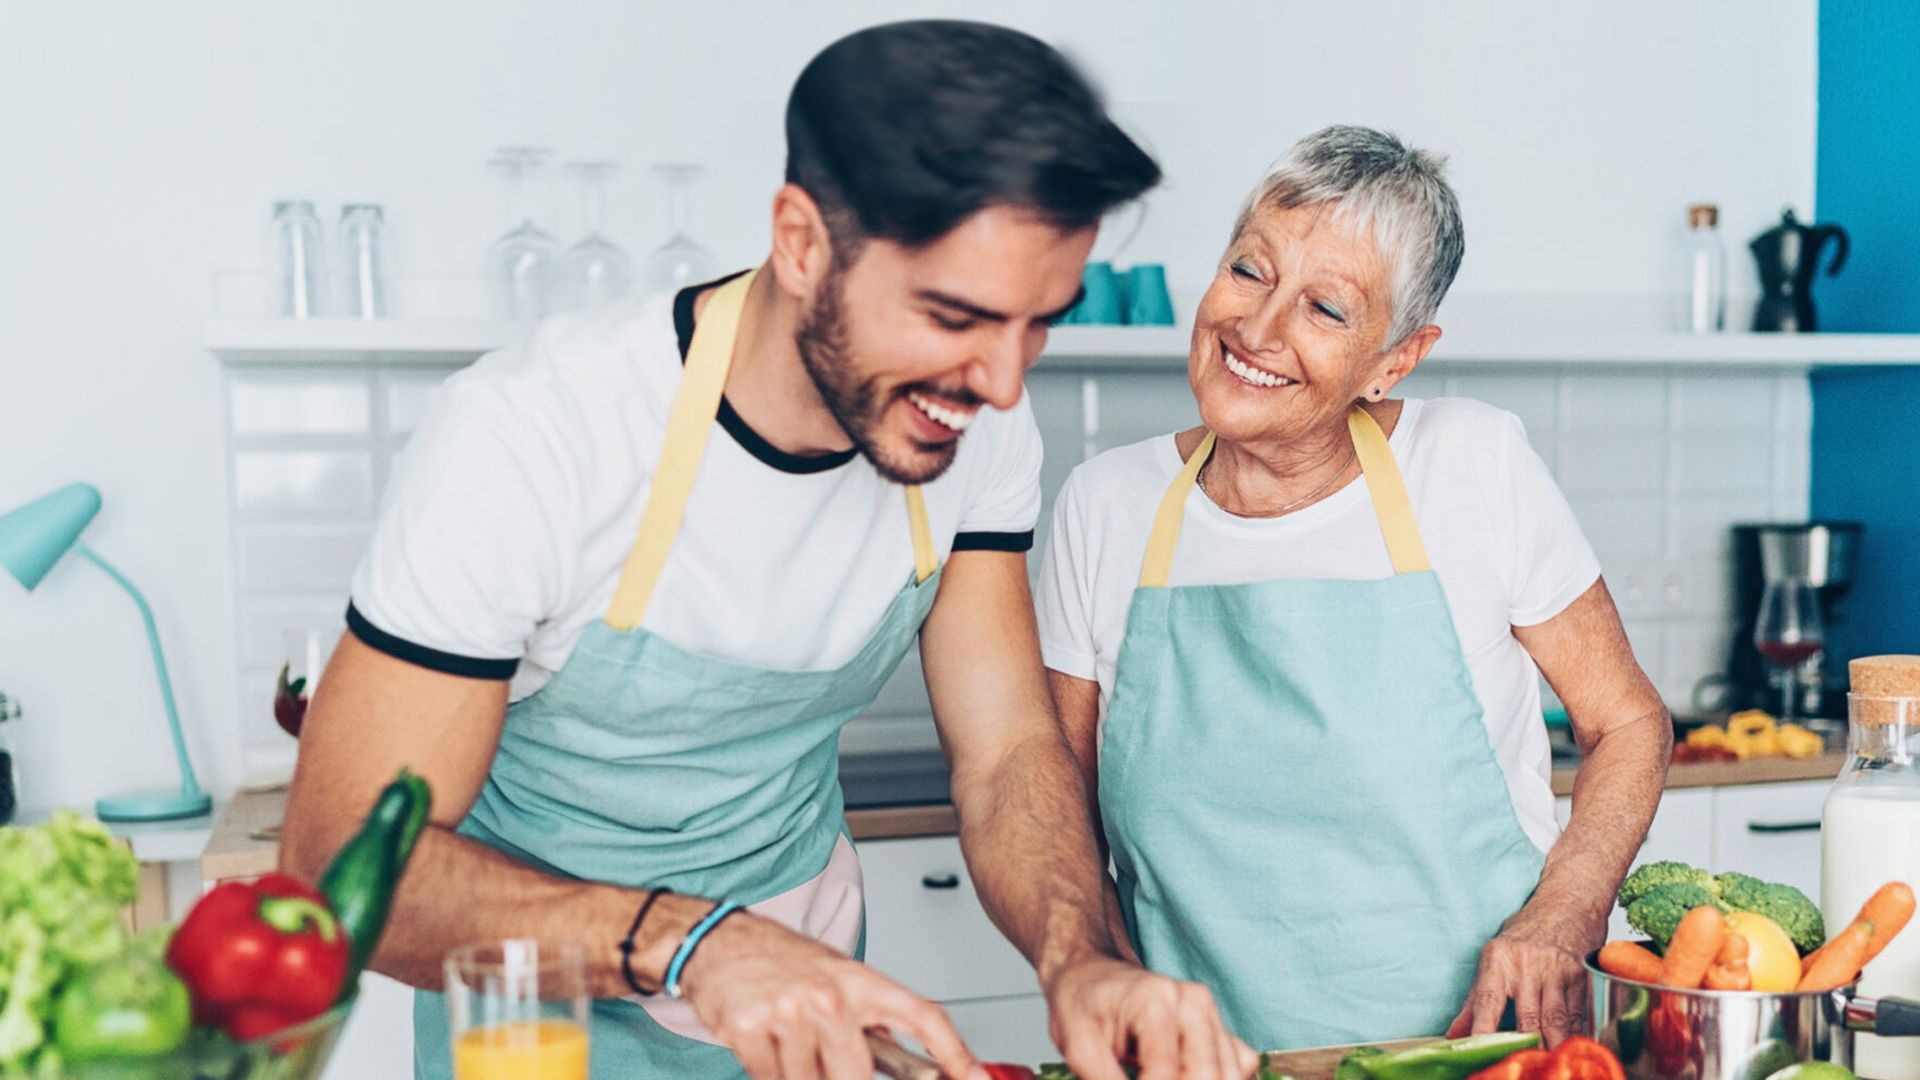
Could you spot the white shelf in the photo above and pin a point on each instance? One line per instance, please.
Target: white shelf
(271, 341)
(152, 841)
(1475, 333)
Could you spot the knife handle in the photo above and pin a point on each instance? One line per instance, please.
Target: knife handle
(898, 1062)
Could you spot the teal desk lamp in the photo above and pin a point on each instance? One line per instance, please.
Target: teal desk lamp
(32, 539)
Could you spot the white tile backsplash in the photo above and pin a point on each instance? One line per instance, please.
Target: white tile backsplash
(1657, 466)
(276, 403)
(1596, 462)
(281, 563)
(1722, 462)
(305, 483)
(1613, 402)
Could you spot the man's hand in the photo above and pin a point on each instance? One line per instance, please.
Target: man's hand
(1105, 1010)
(1537, 962)
(793, 1009)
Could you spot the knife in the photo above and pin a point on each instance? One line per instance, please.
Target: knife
(898, 1062)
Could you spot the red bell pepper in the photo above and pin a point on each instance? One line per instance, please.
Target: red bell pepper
(260, 957)
(1576, 1058)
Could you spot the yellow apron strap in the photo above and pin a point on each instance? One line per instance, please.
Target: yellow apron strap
(1166, 521)
(694, 407)
(1390, 503)
(925, 562)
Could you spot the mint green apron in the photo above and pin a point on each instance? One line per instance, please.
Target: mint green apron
(1303, 806)
(641, 763)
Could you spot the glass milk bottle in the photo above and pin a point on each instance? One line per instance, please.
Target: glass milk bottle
(1870, 835)
(1706, 260)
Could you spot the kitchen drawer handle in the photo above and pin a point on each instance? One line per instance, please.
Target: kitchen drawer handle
(941, 881)
(1782, 826)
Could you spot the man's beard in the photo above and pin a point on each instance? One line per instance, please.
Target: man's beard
(857, 404)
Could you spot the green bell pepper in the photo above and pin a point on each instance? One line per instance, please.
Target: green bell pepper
(127, 1007)
(1453, 1059)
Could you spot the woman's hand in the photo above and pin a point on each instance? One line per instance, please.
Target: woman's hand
(1536, 962)
(1105, 1009)
(792, 1009)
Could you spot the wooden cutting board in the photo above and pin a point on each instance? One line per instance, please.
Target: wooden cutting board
(1318, 1064)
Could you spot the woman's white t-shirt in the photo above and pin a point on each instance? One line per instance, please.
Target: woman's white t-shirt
(1497, 530)
(511, 514)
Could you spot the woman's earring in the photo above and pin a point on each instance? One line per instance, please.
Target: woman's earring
(1376, 393)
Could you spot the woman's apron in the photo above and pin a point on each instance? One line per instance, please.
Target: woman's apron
(1302, 802)
(644, 764)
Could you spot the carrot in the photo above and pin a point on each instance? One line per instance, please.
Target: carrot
(1888, 909)
(1840, 959)
(1630, 961)
(1807, 961)
(1729, 970)
(1696, 942)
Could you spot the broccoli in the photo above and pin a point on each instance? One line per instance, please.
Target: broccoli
(1784, 904)
(1655, 874)
(1657, 913)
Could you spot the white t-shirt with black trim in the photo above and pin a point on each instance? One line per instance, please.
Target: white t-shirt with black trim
(1498, 532)
(514, 506)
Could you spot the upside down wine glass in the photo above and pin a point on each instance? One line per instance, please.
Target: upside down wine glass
(679, 262)
(594, 270)
(521, 261)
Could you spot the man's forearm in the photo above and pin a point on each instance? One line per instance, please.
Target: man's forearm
(458, 891)
(1615, 795)
(1031, 850)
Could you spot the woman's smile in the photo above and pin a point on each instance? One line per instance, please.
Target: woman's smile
(1252, 374)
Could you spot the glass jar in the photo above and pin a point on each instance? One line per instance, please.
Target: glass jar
(1870, 835)
(362, 281)
(296, 243)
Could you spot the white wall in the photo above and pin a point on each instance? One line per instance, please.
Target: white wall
(144, 144)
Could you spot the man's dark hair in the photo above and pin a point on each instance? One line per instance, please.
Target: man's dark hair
(902, 131)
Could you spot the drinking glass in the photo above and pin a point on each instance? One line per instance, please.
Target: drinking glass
(594, 270)
(1788, 633)
(521, 261)
(679, 262)
(517, 1010)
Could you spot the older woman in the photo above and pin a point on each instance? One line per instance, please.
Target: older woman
(1297, 650)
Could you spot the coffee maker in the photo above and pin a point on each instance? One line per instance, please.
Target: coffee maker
(1823, 553)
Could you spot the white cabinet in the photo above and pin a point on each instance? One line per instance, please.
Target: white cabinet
(1771, 831)
(925, 926)
(1005, 1029)
(378, 1041)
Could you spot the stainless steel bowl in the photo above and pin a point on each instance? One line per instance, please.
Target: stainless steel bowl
(1662, 1033)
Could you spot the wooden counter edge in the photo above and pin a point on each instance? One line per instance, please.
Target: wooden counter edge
(1773, 770)
(233, 852)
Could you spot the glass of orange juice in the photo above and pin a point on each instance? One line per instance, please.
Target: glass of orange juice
(517, 1010)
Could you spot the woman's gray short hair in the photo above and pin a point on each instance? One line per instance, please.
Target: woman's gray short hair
(1387, 188)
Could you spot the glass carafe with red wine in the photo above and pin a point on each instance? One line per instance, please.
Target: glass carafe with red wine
(1788, 633)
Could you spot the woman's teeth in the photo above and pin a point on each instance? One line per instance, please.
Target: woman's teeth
(945, 417)
(1249, 373)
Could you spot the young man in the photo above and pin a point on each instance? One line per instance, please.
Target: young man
(636, 574)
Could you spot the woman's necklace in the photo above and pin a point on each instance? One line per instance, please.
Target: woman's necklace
(1201, 479)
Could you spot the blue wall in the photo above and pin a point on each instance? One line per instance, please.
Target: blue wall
(1866, 424)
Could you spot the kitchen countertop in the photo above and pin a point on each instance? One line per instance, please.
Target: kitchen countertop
(933, 814)
(906, 795)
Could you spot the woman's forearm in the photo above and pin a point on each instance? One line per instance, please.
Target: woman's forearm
(1615, 795)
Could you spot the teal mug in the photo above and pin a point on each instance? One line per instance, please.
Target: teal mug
(1148, 302)
(1103, 301)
